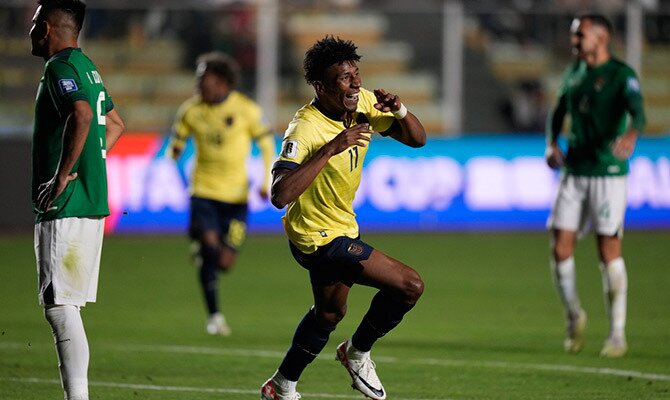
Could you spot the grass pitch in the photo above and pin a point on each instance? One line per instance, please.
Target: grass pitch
(489, 325)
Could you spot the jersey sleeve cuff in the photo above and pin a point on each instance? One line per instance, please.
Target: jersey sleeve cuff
(290, 165)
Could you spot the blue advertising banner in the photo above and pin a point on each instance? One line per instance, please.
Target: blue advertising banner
(478, 182)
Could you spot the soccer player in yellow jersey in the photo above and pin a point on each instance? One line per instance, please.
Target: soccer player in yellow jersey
(223, 123)
(316, 176)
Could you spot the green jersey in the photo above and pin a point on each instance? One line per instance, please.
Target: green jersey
(70, 76)
(601, 102)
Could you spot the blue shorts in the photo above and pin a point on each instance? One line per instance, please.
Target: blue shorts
(338, 261)
(228, 220)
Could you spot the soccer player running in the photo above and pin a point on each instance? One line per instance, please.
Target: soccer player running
(317, 175)
(75, 126)
(223, 122)
(599, 93)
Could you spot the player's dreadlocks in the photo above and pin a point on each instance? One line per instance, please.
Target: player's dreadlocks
(326, 52)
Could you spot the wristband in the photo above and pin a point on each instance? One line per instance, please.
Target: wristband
(402, 111)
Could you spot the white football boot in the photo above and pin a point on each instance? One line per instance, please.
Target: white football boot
(271, 391)
(216, 325)
(614, 347)
(574, 335)
(362, 372)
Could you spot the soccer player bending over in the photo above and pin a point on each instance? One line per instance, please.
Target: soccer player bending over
(316, 176)
(599, 93)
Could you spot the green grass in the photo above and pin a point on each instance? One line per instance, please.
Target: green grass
(489, 325)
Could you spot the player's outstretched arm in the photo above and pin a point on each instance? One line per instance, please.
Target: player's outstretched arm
(407, 128)
(288, 184)
(114, 127)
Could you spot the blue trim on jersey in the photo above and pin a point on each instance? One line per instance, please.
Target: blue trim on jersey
(290, 165)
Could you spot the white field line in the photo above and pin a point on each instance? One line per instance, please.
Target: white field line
(171, 388)
(190, 389)
(414, 361)
(562, 368)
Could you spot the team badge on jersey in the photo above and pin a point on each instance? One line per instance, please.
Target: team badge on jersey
(290, 149)
(355, 249)
(599, 84)
(67, 86)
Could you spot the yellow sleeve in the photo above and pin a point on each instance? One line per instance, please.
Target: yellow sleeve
(257, 125)
(181, 130)
(266, 145)
(296, 146)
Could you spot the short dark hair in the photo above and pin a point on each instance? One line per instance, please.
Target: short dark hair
(76, 9)
(326, 52)
(598, 19)
(221, 65)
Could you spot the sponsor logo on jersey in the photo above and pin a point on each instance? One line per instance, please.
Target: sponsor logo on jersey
(67, 86)
(290, 149)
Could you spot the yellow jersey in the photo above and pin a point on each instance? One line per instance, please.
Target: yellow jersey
(223, 134)
(325, 210)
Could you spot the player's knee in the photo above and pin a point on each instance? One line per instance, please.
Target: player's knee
(226, 259)
(562, 251)
(330, 317)
(413, 288)
(225, 265)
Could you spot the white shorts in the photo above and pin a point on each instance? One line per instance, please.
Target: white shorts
(598, 200)
(68, 258)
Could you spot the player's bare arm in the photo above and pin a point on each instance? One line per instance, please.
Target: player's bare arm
(554, 155)
(624, 145)
(408, 129)
(114, 128)
(74, 138)
(175, 148)
(287, 184)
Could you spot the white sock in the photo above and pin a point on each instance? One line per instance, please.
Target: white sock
(284, 384)
(564, 278)
(72, 348)
(354, 353)
(615, 288)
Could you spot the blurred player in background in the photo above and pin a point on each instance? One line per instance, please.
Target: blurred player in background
(223, 122)
(317, 175)
(600, 94)
(75, 126)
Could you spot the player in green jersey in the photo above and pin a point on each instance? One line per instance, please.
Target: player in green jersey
(316, 176)
(602, 97)
(75, 126)
(223, 123)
